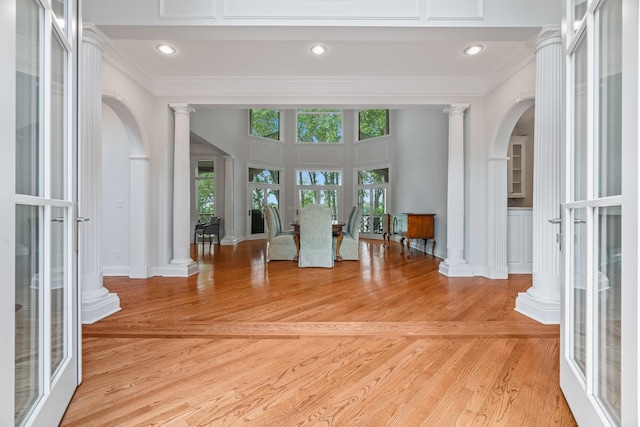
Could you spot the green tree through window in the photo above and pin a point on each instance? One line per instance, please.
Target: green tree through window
(205, 190)
(373, 124)
(319, 125)
(265, 123)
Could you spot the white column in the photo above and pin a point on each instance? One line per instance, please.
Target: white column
(139, 203)
(97, 301)
(542, 301)
(497, 232)
(455, 265)
(229, 207)
(181, 264)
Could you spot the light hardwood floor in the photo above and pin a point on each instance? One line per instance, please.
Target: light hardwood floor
(387, 341)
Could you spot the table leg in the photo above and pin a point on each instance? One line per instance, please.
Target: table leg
(338, 242)
(296, 239)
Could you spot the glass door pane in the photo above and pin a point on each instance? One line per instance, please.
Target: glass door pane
(329, 199)
(59, 288)
(273, 198)
(364, 200)
(609, 154)
(608, 311)
(58, 144)
(379, 208)
(28, 306)
(28, 98)
(579, 291)
(307, 198)
(258, 198)
(580, 141)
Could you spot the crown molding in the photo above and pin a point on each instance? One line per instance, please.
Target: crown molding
(507, 68)
(128, 68)
(295, 86)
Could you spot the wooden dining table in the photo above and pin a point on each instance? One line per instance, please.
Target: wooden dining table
(336, 230)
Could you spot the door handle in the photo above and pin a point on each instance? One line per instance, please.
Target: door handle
(556, 221)
(82, 219)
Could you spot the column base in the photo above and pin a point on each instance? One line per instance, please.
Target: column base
(457, 269)
(546, 312)
(230, 241)
(99, 308)
(179, 270)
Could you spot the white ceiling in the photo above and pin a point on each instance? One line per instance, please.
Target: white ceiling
(352, 51)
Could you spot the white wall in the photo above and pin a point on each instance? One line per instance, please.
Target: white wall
(420, 172)
(153, 143)
(116, 195)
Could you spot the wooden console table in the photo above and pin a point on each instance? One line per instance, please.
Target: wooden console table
(409, 226)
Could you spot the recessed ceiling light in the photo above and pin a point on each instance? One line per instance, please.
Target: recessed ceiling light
(166, 49)
(473, 50)
(318, 49)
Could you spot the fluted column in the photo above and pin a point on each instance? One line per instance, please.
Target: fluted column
(229, 238)
(542, 301)
(97, 301)
(181, 265)
(455, 265)
(139, 218)
(497, 232)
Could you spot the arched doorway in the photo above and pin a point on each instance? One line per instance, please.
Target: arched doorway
(497, 188)
(138, 185)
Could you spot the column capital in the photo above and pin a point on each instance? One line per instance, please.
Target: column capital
(182, 109)
(92, 35)
(549, 35)
(456, 109)
(228, 157)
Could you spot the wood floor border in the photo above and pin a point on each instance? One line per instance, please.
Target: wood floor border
(229, 330)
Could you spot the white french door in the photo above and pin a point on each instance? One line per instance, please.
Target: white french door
(264, 188)
(46, 345)
(599, 337)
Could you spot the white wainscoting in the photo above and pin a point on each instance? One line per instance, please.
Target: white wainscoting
(520, 240)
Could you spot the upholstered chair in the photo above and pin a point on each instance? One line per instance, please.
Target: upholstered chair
(280, 246)
(349, 247)
(278, 217)
(315, 237)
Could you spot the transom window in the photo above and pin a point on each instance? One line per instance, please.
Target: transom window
(319, 126)
(265, 123)
(264, 176)
(372, 124)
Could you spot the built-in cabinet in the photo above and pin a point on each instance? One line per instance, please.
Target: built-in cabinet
(516, 167)
(520, 240)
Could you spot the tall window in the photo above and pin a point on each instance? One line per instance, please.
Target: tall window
(372, 188)
(372, 124)
(322, 125)
(319, 187)
(205, 190)
(265, 123)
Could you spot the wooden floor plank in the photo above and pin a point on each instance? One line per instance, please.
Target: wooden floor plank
(387, 341)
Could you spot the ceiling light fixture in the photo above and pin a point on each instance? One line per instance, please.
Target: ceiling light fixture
(473, 50)
(166, 49)
(318, 49)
